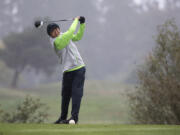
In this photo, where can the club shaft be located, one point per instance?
(63, 20)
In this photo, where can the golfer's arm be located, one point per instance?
(80, 33)
(62, 41)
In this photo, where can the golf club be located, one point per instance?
(40, 23)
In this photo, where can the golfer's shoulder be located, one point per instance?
(61, 41)
(58, 38)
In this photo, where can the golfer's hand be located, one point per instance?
(82, 19)
(78, 17)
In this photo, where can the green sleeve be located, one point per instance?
(63, 40)
(80, 33)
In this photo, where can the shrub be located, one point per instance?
(29, 111)
(157, 97)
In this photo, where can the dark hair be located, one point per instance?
(52, 27)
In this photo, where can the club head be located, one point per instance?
(38, 24)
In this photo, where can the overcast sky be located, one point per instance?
(161, 4)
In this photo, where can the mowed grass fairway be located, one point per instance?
(110, 129)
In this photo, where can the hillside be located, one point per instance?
(103, 102)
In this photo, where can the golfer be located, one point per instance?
(73, 67)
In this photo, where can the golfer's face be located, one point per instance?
(55, 33)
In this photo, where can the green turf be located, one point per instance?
(109, 129)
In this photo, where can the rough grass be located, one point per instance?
(103, 102)
(110, 129)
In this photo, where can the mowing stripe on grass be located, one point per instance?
(96, 130)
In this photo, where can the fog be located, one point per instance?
(118, 37)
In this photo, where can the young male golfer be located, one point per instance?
(73, 67)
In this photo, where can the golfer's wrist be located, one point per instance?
(76, 19)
